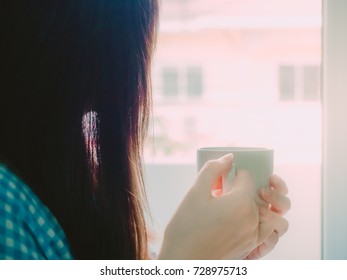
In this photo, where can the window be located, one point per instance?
(287, 82)
(239, 73)
(194, 82)
(170, 82)
(311, 82)
(299, 82)
(181, 83)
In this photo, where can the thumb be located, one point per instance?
(244, 180)
(211, 171)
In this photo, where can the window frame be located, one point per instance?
(334, 100)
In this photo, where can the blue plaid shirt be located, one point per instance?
(28, 230)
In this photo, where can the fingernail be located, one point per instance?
(229, 156)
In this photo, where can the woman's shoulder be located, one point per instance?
(28, 229)
(12, 194)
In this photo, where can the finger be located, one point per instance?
(211, 172)
(273, 220)
(279, 202)
(265, 247)
(265, 230)
(278, 184)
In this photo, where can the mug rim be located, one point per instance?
(234, 149)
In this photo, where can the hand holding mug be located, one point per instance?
(272, 191)
(205, 227)
(239, 224)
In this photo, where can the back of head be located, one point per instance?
(74, 87)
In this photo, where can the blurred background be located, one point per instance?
(239, 73)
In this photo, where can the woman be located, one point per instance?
(75, 102)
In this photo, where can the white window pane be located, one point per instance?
(170, 81)
(194, 82)
(253, 56)
(311, 82)
(287, 82)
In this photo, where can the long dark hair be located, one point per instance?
(74, 107)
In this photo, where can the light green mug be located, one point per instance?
(257, 161)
